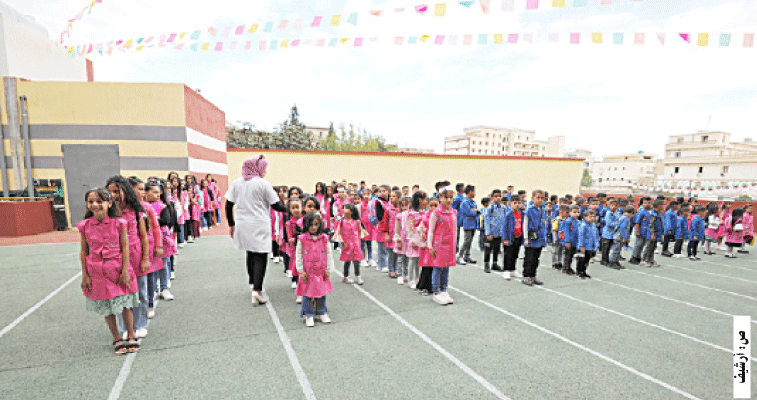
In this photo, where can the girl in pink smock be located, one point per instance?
(216, 194)
(734, 231)
(366, 244)
(207, 205)
(748, 228)
(292, 229)
(195, 209)
(441, 244)
(350, 229)
(185, 214)
(724, 214)
(712, 227)
(314, 264)
(425, 261)
(126, 200)
(155, 243)
(400, 239)
(108, 283)
(328, 212)
(412, 239)
(393, 210)
(320, 194)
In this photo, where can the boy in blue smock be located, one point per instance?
(643, 233)
(655, 225)
(469, 212)
(669, 226)
(621, 237)
(608, 231)
(682, 231)
(512, 237)
(588, 243)
(569, 238)
(696, 232)
(456, 205)
(535, 227)
(494, 222)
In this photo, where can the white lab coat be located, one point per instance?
(252, 215)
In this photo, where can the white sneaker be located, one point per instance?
(412, 285)
(347, 280)
(516, 274)
(298, 300)
(373, 263)
(173, 275)
(166, 295)
(289, 273)
(506, 275)
(181, 245)
(400, 280)
(140, 333)
(363, 264)
(168, 284)
(359, 280)
(324, 318)
(595, 259)
(677, 255)
(644, 264)
(439, 299)
(150, 314)
(447, 297)
(378, 268)
(461, 261)
(270, 256)
(309, 322)
(385, 269)
(294, 285)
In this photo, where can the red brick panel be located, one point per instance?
(203, 116)
(204, 153)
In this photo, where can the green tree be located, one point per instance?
(586, 180)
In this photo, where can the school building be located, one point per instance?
(81, 133)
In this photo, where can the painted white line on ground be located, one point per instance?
(666, 298)
(662, 328)
(38, 305)
(695, 285)
(582, 347)
(298, 371)
(480, 379)
(730, 266)
(709, 273)
(115, 391)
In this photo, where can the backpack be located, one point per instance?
(372, 211)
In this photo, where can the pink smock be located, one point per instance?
(443, 237)
(104, 261)
(349, 229)
(314, 263)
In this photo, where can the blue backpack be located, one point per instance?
(372, 210)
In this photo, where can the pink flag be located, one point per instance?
(213, 31)
(240, 30)
(467, 39)
(575, 37)
(110, 51)
(320, 42)
(528, 37)
(316, 21)
(298, 24)
(661, 37)
(219, 46)
(605, 2)
(398, 40)
(262, 45)
(532, 4)
(399, 9)
(638, 38)
(233, 45)
(749, 40)
(512, 38)
(554, 37)
(421, 8)
(148, 40)
(248, 45)
(358, 42)
(283, 24)
(226, 31)
(439, 39)
(295, 42)
(508, 5)
(686, 37)
(485, 5)
(162, 40)
(171, 38)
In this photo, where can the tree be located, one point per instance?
(586, 180)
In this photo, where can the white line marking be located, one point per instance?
(298, 371)
(480, 379)
(115, 392)
(584, 348)
(683, 335)
(666, 298)
(38, 305)
(730, 266)
(709, 273)
(695, 284)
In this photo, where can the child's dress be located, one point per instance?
(168, 243)
(293, 229)
(410, 239)
(135, 243)
(424, 257)
(734, 232)
(315, 263)
(365, 218)
(443, 238)
(104, 265)
(350, 232)
(724, 215)
(714, 227)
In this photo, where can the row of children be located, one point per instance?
(130, 236)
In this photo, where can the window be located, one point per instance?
(704, 138)
(676, 170)
(725, 169)
(624, 168)
(701, 169)
(680, 140)
(678, 154)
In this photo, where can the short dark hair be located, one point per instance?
(589, 212)
(629, 209)
(459, 187)
(469, 189)
(353, 210)
(658, 203)
(308, 221)
(515, 198)
(564, 207)
(685, 209)
(593, 199)
(522, 192)
(536, 191)
(554, 197)
(485, 201)
(601, 195)
(496, 191)
(612, 200)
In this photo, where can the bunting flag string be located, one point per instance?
(439, 10)
(697, 187)
(217, 41)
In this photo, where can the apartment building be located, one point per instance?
(497, 141)
(613, 173)
(709, 158)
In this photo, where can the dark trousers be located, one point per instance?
(531, 262)
(468, 241)
(424, 282)
(256, 264)
(678, 246)
(286, 261)
(648, 254)
(665, 240)
(606, 246)
(457, 241)
(275, 248)
(692, 249)
(355, 266)
(491, 248)
(511, 253)
(568, 254)
(584, 261)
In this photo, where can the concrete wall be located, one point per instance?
(304, 169)
(27, 51)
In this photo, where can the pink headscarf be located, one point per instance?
(254, 167)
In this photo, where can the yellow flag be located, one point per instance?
(558, 3)
(182, 35)
(498, 38)
(139, 48)
(253, 28)
(596, 37)
(71, 50)
(440, 9)
(128, 43)
(424, 38)
(344, 40)
(205, 46)
(703, 39)
(93, 3)
(284, 43)
(335, 20)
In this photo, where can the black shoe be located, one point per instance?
(742, 251)
(528, 281)
(634, 261)
(621, 258)
(667, 254)
(556, 266)
(496, 267)
(582, 275)
(615, 265)
(536, 281)
(469, 261)
(605, 263)
(568, 271)
(486, 268)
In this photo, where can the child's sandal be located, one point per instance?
(133, 347)
(120, 348)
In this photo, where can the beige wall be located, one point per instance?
(304, 169)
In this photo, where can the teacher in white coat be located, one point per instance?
(250, 222)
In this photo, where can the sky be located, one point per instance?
(607, 98)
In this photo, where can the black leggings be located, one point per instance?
(424, 283)
(256, 264)
(356, 267)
